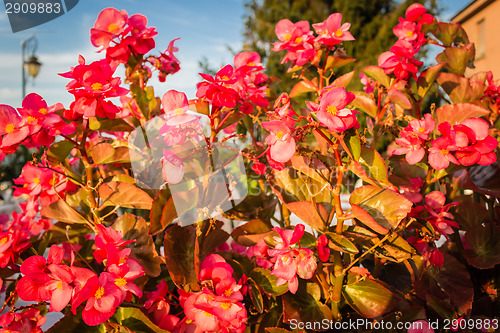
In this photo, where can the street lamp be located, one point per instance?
(31, 65)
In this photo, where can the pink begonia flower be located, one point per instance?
(367, 83)
(172, 167)
(415, 11)
(250, 59)
(175, 104)
(406, 30)
(411, 146)
(12, 127)
(291, 34)
(280, 140)
(439, 217)
(440, 153)
(103, 296)
(399, 60)
(108, 236)
(331, 31)
(323, 249)
(159, 306)
(290, 260)
(333, 112)
(259, 168)
(423, 127)
(473, 142)
(26, 321)
(412, 191)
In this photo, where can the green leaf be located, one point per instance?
(313, 214)
(353, 143)
(454, 280)
(456, 113)
(255, 295)
(378, 208)
(341, 243)
(337, 61)
(124, 194)
(162, 212)
(426, 78)
(135, 228)
(365, 103)
(377, 73)
(370, 298)
(450, 33)
(310, 166)
(303, 307)
(484, 243)
(267, 281)
(61, 211)
(344, 80)
(399, 98)
(112, 125)
(146, 100)
(251, 232)
(457, 58)
(135, 320)
(302, 87)
(461, 89)
(395, 249)
(105, 153)
(58, 151)
(181, 255)
(370, 167)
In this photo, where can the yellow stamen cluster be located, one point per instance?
(179, 111)
(339, 33)
(99, 293)
(112, 27)
(36, 180)
(4, 240)
(43, 111)
(280, 134)
(298, 40)
(288, 37)
(225, 305)
(120, 282)
(444, 151)
(10, 128)
(332, 109)
(96, 86)
(30, 119)
(409, 34)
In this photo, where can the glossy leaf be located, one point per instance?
(370, 298)
(303, 307)
(370, 167)
(378, 208)
(338, 61)
(123, 194)
(105, 153)
(162, 212)
(255, 296)
(302, 87)
(114, 125)
(134, 319)
(135, 228)
(399, 98)
(313, 214)
(461, 89)
(456, 113)
(344, 80)
(180, 248)
(457, 58)
(353, 143)
(450, 32)
(61, 211)
(378, 74)
(426, 78)
(365, 103)
(341, 243)
(267, 281)
(58, 151)
(484, 243)
(251, 232)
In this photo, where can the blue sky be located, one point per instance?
(206, 28)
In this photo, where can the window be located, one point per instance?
(481, 39)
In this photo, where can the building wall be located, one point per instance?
(481, 21)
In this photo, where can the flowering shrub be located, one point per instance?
(151, 237)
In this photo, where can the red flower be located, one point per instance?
(103, 296)
(280, 140)
(331, 32)
(109, 24)
(333, 112)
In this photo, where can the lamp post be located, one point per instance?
(31, 65)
